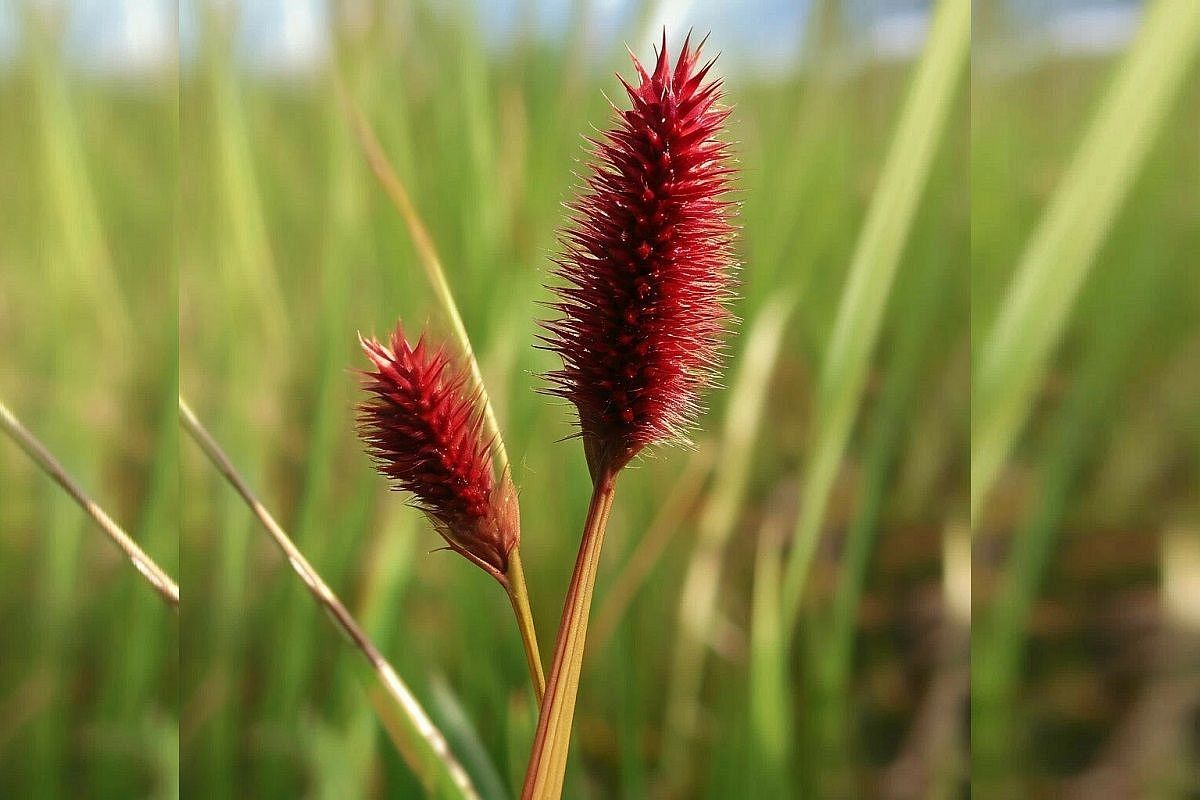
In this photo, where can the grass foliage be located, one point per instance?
(951, 274)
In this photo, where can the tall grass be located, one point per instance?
(872, 272)
(423, 746)
(485, 148)
(1029, 308)
(1061, 251)
(88, 182)
(1087, 318)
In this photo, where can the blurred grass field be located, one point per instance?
(89, 676)
(285, 247)
(1083, 633)
(291, 247)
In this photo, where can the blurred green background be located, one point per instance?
(783, 611)
(1084, 631)
(89, 676)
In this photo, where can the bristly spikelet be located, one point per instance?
(425, 432)
(648, 266)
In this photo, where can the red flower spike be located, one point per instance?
(425, 433)
(648, 263)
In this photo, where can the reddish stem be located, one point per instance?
(548, 761)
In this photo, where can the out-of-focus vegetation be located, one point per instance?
(1085, 303)
(252, 190)
(88, 343)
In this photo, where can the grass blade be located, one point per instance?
(159, 580)
(245, 244)
(860, 314)
(422, 744)
(1001, 634)
(377, 160)
(890, 421)
(463, 734)
(398, 194)
(1060, 254)
(72, 210)
(771, 731)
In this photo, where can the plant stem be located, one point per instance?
(548, 760)
(423, 242)
(158, 578)
(519, 595)
(399, 196)
(414, 734)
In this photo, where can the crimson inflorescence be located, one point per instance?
(647, 262)
(424, 428)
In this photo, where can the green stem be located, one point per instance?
(519, 595)
(548, 761)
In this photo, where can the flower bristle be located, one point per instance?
(424, 429)
(647, 264)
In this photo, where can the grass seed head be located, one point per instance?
(424, 429)
(647, 266)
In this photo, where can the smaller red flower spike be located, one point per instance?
(647, 264)
(424, 430)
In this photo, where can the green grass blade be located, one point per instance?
(420, 742)
(1060, 254)
(1123, 318)
(295, 637)
(245, 241)
(770, 706)
(387, 563)
(463, 736)
(926, 301)
(864, 299)
(71, 213)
